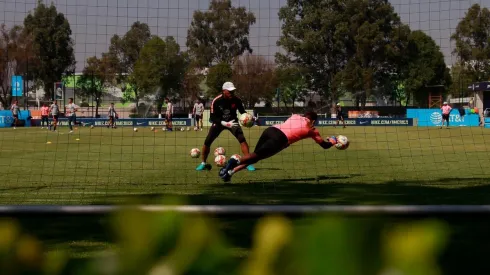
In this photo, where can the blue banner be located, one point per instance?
(17, 85)
(133, 122)
(433, 117)
(269, 121)
(6, 118)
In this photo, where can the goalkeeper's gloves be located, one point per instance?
(229, 124)
(332, 140)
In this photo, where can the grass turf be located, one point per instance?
(383, 165)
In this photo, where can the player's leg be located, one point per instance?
(271, 142)
(213, 133)
(55, 122)
(16, 118)
(238, 133)
(70, 121)
(343, 121)
(447, 120)
(170, 122)
(200, 122)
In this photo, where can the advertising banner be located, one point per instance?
(433, 117)
(269, 121)
(6, 118)
(133, 122)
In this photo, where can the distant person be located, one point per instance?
(169, 114)
(54, 109)
(72, 108)
(15, 112)
(44, 115)
(446, 110)
(198, 112)
(112, 114)
(340, 115)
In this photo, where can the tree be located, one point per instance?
(472, 39)
(16, 49)
(191, 84)
(377, 40)
(96, 78)
(220, 34)
(461, 79)
(124, 52)
(314, 35)
(53, 46)
(254, 78)
(217, 75)
(292, 84)
(160, 69)
(423, 66)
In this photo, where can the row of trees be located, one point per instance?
(331, 47)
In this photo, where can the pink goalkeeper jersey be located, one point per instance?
(446, 109)
(296, 128)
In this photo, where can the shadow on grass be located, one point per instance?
(311, 191)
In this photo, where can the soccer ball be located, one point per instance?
(135, 129)
(91, 126)
(246, 120)
(195, 153)
(164, 129)
(219, 151)
(152, 128)
(342, 142)
(220, 160)
(236, 156)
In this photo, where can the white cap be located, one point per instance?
(228, 86)
(445, 103)
(338, 104)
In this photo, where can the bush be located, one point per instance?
(171, 243)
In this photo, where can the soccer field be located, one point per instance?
(383, 165)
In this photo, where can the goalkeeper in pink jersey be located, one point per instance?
(277, 138)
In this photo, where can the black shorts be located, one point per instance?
(15, 116)
(168, 118)
(271, 142)
(445, 117)
(216, 130)
(198, 117)
(55, 117)
(340, 116)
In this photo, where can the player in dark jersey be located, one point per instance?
(224, 117)
(340, 115)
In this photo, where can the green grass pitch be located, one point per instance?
(383, 165)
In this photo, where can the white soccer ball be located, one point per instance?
(236, 156)
(164, 129)
(342, 142)
(220, 160)
(195, 153)
(152, 128)
(135, 129)
(246, 120)
(219, 151)
(91, 126)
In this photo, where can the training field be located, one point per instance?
(383, 165)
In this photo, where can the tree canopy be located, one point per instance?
(52, 44)
(472, 39)
(219, 34)
(160, 68)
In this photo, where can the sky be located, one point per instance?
(94, 22)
